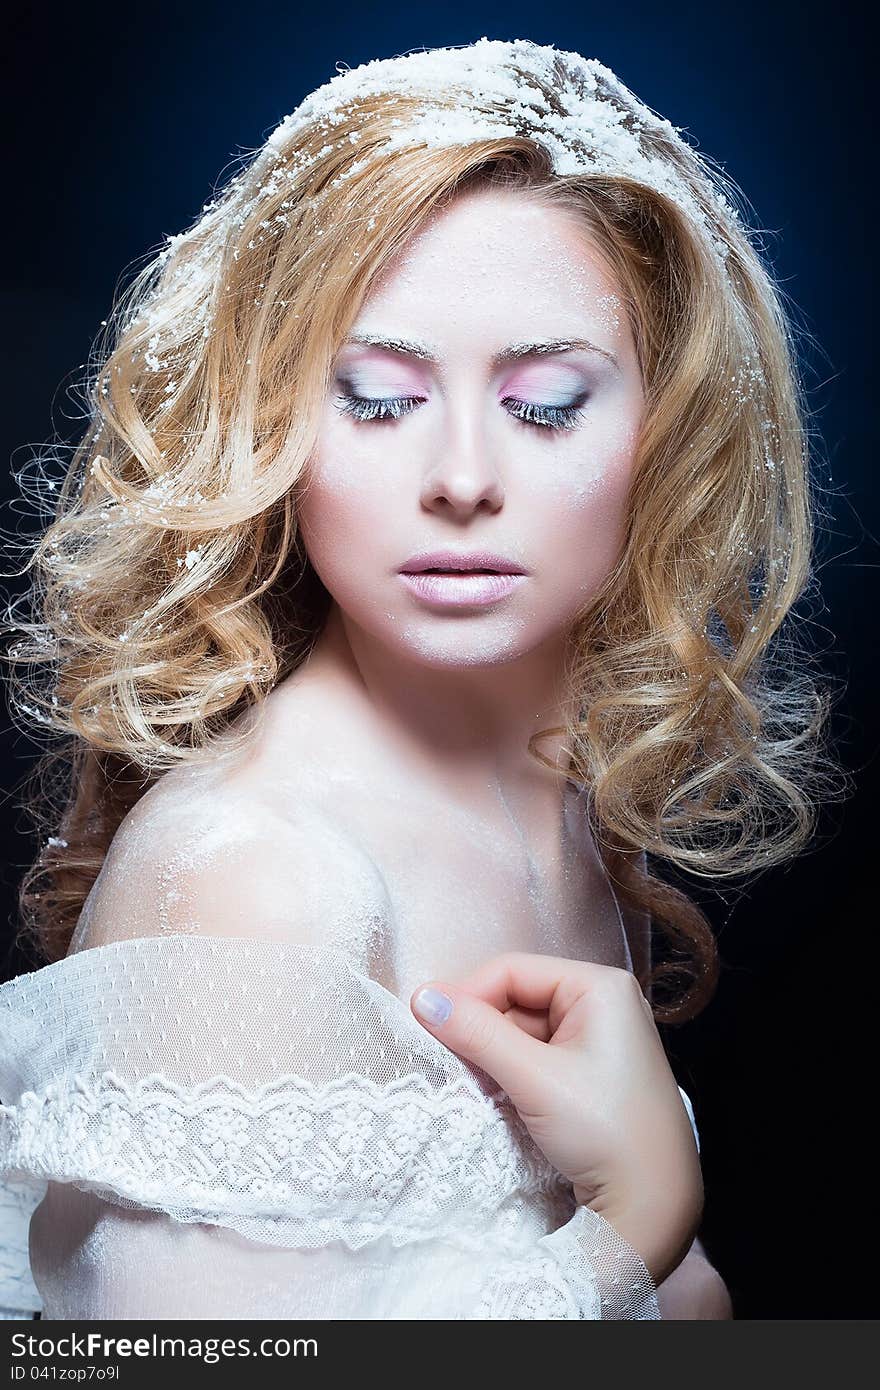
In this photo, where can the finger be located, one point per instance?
(531, 981)
(532, 1021)
(477, 1031)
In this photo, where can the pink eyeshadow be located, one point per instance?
(546, 379)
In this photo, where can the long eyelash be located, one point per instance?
(382, 408)
(543, 417)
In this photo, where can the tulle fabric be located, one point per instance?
(264, 1111)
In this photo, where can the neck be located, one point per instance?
(463, 729)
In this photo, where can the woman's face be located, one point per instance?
(460, 435)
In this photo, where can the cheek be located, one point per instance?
(343, 509)
(589, 467)
(584, 508)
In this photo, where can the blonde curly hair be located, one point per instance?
(170, 590)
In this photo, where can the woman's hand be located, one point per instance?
(575, 1046)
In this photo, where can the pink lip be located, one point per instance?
(462, 589)
(451, 560)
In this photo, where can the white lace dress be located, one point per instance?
(262, 1111)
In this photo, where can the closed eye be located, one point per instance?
(378, 408)
(383, 408)
(552, 417)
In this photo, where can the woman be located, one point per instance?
(444, 491)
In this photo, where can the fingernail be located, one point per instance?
(434, 1006)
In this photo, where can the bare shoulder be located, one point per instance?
(208, 852)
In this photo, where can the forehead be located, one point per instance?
(504, 249)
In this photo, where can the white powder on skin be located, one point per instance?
(493, 270)
(315, 837)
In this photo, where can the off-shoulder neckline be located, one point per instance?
(206, 944)
(202, 940)
(260, 945)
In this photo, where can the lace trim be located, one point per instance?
(409, 1144)
(402, 1158)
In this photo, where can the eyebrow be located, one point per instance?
(405, 346)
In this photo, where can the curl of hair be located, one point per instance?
(170, 591)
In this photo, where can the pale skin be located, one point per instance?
(442, 703)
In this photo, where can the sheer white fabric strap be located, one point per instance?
(583, 1270)
(19, 1297)
(690, 1110)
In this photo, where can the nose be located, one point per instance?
(462, 475)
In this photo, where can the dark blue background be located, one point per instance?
(119, 122)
